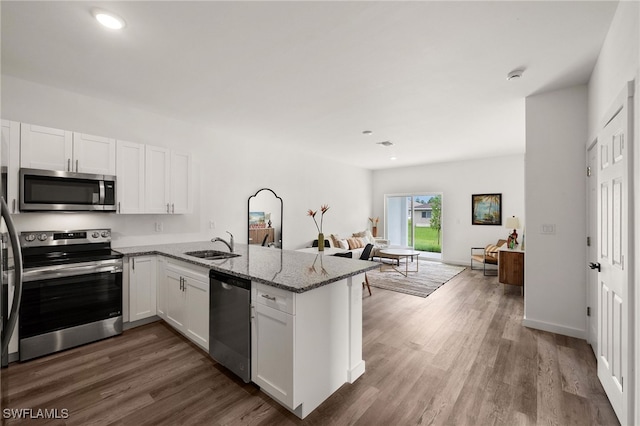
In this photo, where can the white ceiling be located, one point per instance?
(428, 76)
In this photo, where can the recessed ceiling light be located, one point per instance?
(385, 143)
(367, 132)
(515, 74)
(393, 158)
(109, 20)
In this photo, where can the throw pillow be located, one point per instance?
(335, 240)
(366, 236)
(343, 244)
(355, 243)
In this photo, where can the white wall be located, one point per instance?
(227, 171)
(619, 62)
(457, 181)
(555, 271)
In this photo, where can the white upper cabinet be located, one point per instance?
(157, 180)
(93, 154)
(181, 182)
(54, 149)
(45, 148)
(11, 162)
(130, 186)
(167, 181)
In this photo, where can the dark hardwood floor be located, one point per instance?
(458, 357)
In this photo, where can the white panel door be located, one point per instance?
(142, 287)
(11, 162)
(130, 158)
(175, 298)
(157, 180)
(272, 357)
(45, 148)
(197, 310)
(181, 182)
(614, 318)
(94, 154)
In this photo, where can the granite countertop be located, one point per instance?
(290, 270)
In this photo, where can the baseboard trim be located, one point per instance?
(355, 372)
(555, 328)
(138, 323)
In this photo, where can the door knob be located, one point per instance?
(594, 265)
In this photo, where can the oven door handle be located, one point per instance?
(47, 273)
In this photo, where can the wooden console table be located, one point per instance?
(511, 266)
(256, 235)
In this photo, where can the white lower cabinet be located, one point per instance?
(272, 352)
(185, 300)
(142, 287)
(304, 346)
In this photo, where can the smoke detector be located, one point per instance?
(385, 143)
(515, 74)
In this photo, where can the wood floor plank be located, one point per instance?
(458, 357)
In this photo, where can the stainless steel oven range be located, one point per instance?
(72, 292)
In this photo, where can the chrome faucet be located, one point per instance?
(229, 244)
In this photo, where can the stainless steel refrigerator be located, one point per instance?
(10, 266)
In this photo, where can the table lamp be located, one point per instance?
(512, 222)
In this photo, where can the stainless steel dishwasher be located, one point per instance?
(229, 323)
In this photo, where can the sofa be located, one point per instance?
(355, 243)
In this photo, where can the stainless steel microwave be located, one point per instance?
(48, 190)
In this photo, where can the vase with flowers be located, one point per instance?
(374, 226)
(323, 210)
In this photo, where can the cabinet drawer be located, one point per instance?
(188, 270)
(276, 298)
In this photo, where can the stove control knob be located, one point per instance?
(30, 237)
(96, 234)
(43, 237)
(105, 234)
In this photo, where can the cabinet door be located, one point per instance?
(157, 180)
(175, 295)
(130, 177)
(10, 163)
(142, 287)
(161, 290)
(272, 352)
(45, 148)
(180, 182)
(197, 310)
(94, 154)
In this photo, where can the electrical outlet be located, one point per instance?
(212, 224)
(158, 226)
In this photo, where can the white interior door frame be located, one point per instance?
(592, 244)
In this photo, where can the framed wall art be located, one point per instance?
(486, 209)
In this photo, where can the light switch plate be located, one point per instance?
(548, 228)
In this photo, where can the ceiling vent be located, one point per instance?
(385, 143)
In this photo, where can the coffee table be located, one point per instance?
(406, 254)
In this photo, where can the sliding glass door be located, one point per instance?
(414, 220)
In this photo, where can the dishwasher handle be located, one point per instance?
(229, 281)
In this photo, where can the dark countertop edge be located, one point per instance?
(247, 277)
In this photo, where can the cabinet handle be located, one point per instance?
(118, 206)
(76, 165)
(180, 283)
(13, 205)
(272, 298)
(167, 207)
(68, 164)
(133, 263)
(173, 208)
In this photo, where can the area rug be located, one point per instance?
(431, 275)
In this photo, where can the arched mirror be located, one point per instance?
(265, 218)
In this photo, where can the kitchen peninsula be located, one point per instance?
(306, 311)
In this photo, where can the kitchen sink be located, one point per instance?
(211, 254)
